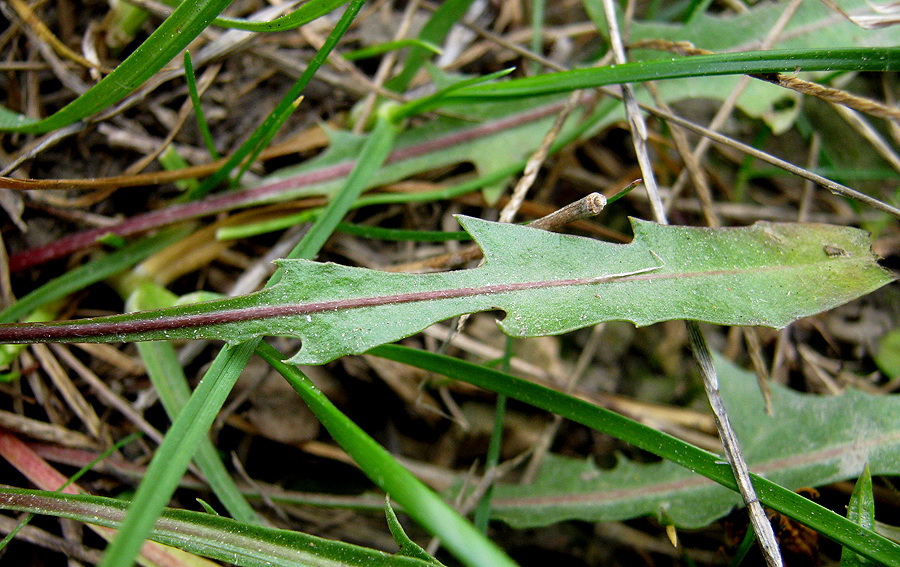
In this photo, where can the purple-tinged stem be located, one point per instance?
(280, 190)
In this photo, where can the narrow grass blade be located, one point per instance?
(169, 381)
(198, 109)
(172, 35)
(423, 505)
(389, 46)
(309, 11)
(750, 62)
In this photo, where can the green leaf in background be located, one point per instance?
(547, 283)
(810, 440)
(234, 542)
(888, 355)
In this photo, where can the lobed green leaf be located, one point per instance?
(766, 274)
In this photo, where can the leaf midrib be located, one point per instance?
(100, 327)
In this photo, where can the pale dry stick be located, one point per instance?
(832, 186)
(111, 355)
(889, 86)
(69, 79)
(36, 536)
(67, 389)
(730, 103)
(106, 394)
(698, 176)
(701, 188)
(40, 392)
(45, 142)
(34, 22)
(551, 429)
(633, 112)
(47, 432)
(385, 67)
(537, 159)
(764, 531)
(754, 350)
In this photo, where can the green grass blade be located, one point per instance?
(399, 234)
(163, 45)
(388, 46)
(423, 505)
(176, 451)
(862, 541)
(538, 8)
(198, 109)
(261, 137)
(169, 381)
(861, 511)
(309, 11)
(751, 62)
(433, 32)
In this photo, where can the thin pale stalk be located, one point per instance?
(733, 452)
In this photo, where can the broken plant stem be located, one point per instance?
(730, 443)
